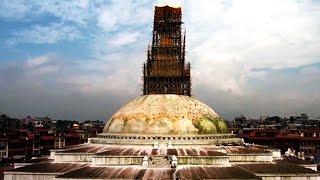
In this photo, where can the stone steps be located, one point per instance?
(160, 162)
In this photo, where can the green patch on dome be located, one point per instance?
(205, 126)
(222, 126)
(208, 125)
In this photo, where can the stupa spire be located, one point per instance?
(165, 71)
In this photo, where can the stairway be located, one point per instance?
(159, 162)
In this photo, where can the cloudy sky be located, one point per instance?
(81, 59)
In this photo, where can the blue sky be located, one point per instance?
(81, 59)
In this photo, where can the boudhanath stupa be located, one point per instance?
(166, 133)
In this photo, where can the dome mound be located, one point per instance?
(165, 114)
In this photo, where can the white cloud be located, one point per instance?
(113, 83)
(13, 9)
(107, 20)
(122, 38)
(76, 11)
(172, 3)
(72, 17)
(49, 34)
(41, 66)
(37, 61)
(239, 50)
(45, 70)
(123, 14)
(232, 38)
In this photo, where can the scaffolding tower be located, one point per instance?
(165, 71)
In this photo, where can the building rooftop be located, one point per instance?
(279, 168)
(195, 172)
(245, 150)
(48, 167)
(295, 160)
(215, 173)
(85, 148)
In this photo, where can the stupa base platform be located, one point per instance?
(147, 156)
(107, 161)
(166, 140)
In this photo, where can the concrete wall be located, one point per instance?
(73, 157)
(242, 158)
(117, 160)
(75, 179)
(28, 176)
(203, 160)
(276, 153)
(289, 177)
(52, 154)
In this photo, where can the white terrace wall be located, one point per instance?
(288, 177)
(243, 158)
(117, 160)
(29, 176)
(73, 157)
(203, 160)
